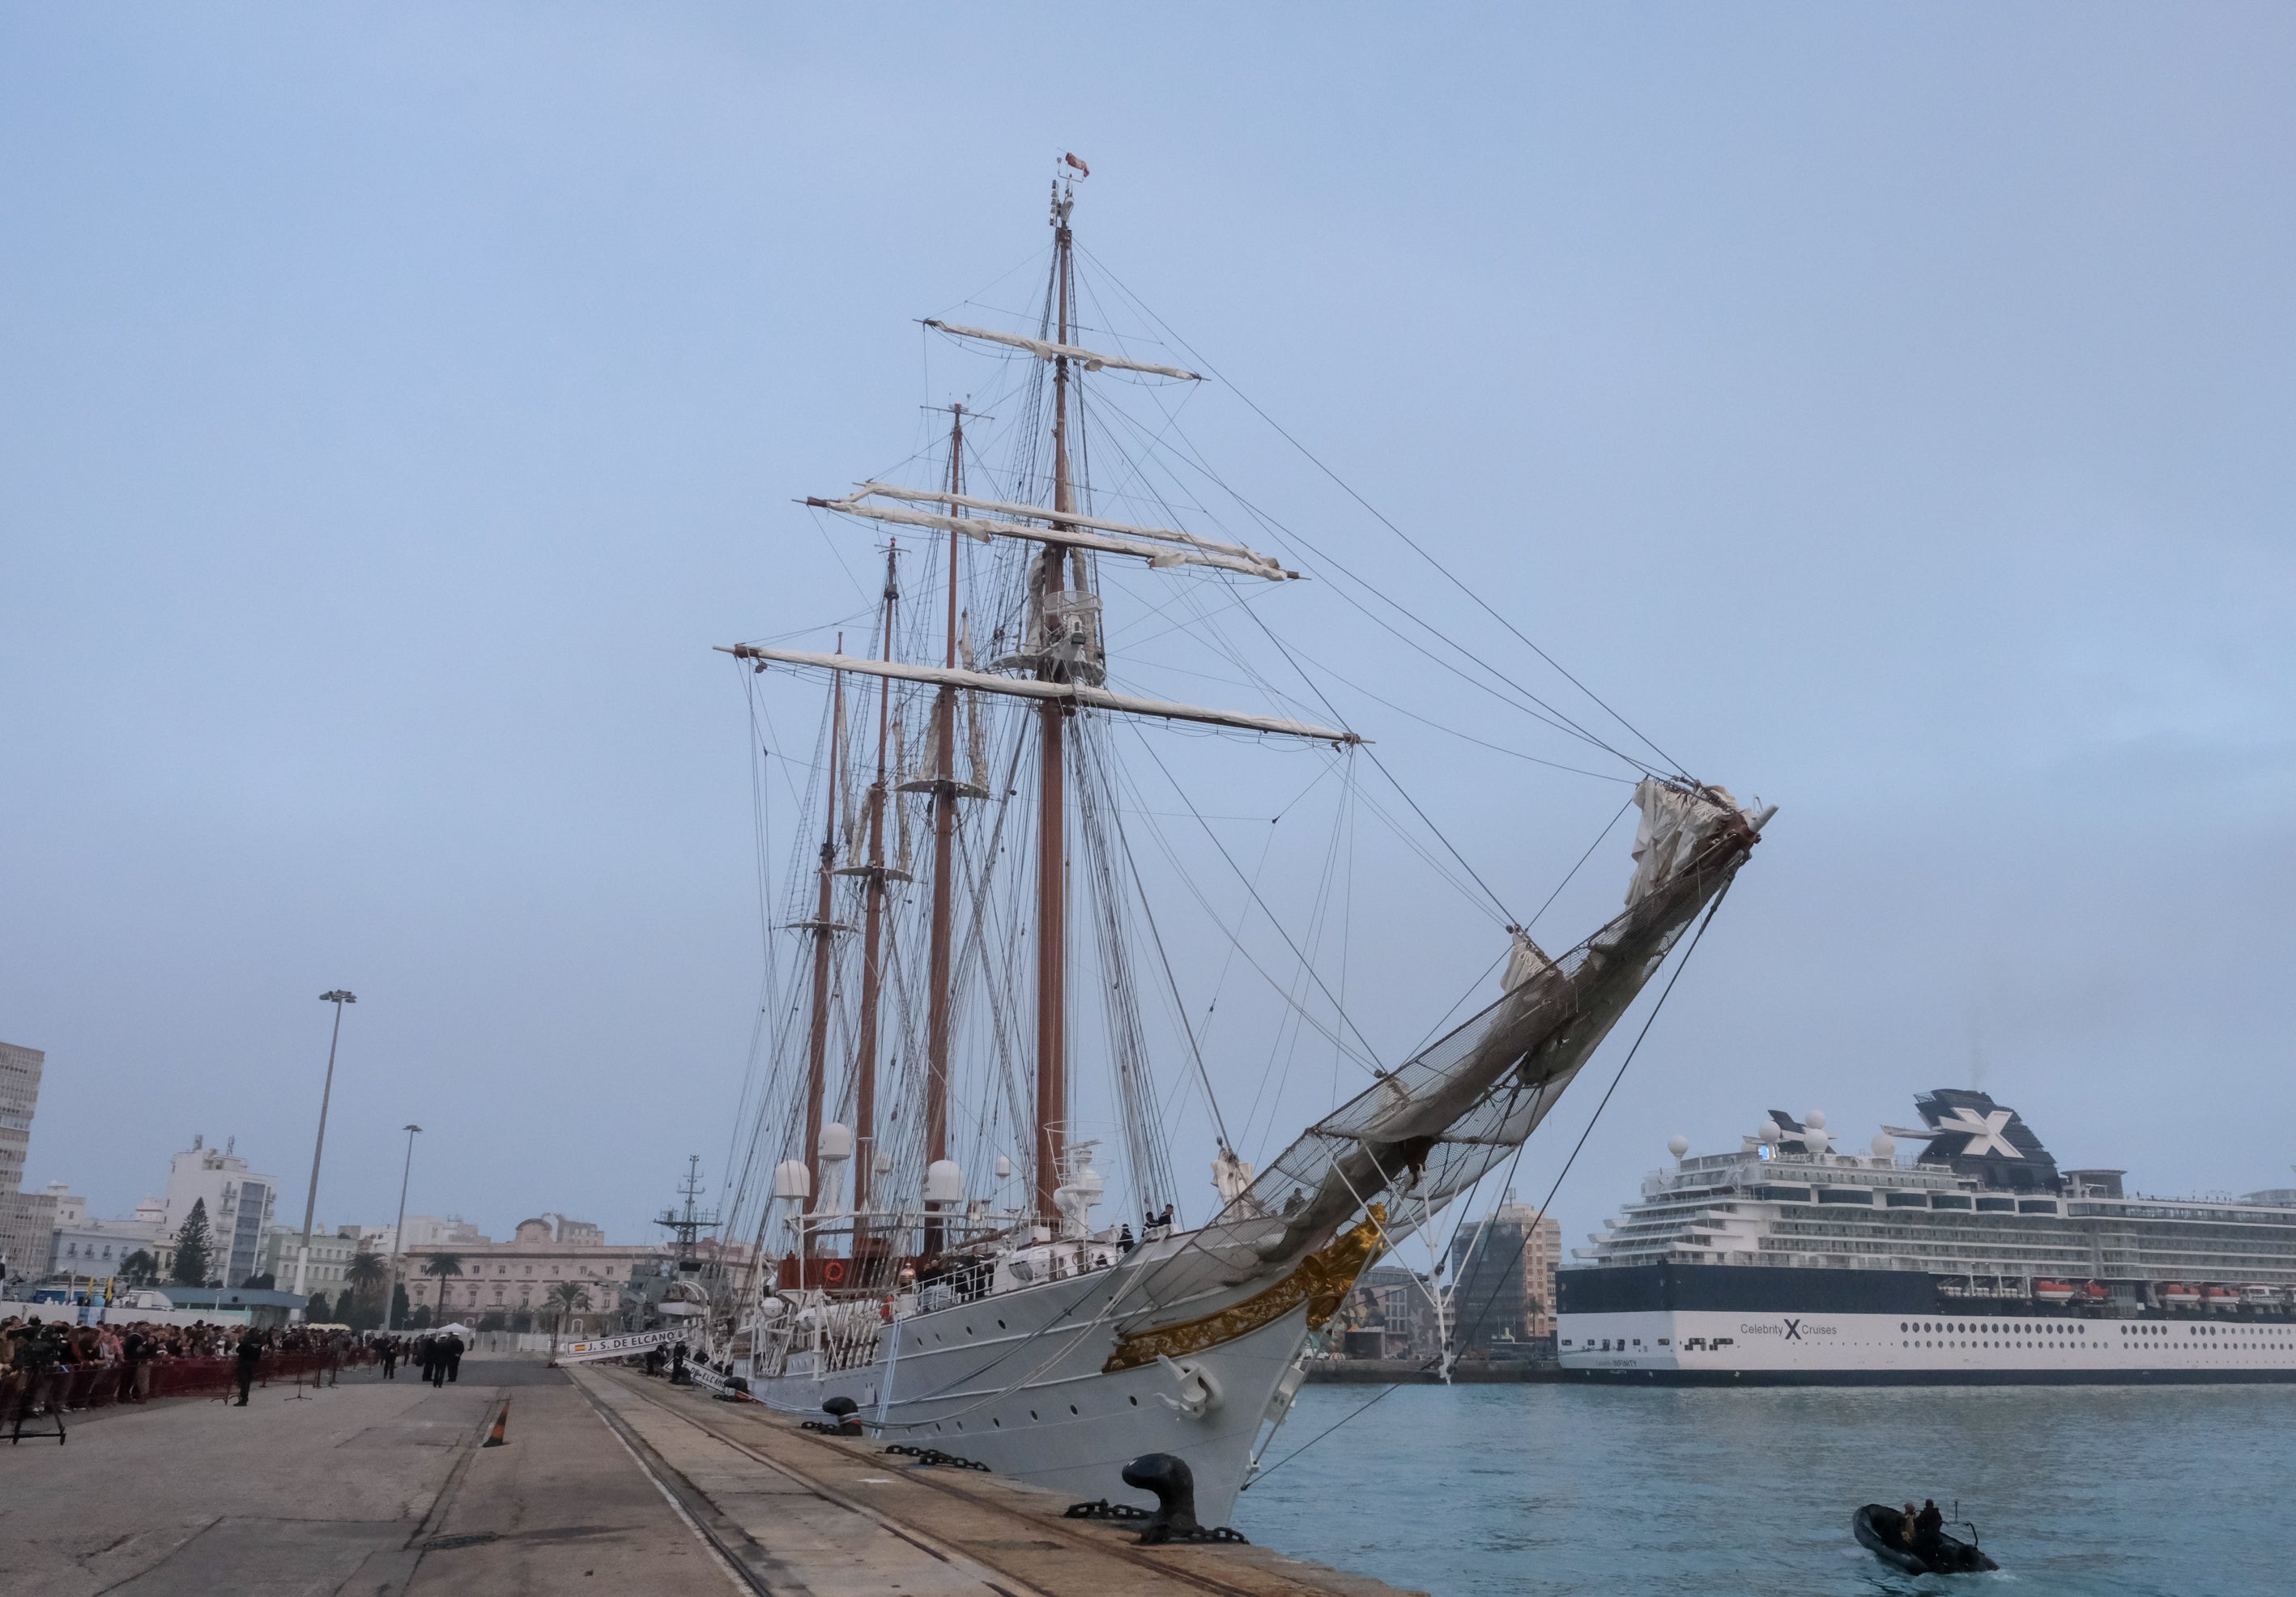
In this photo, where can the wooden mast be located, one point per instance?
(873, 937)
(816, 1074)
(944, 812)
(1051, 805)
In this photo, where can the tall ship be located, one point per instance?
(967, 951)
(1976, 1260)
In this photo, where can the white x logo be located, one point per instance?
(1984, 1133)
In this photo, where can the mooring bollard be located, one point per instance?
(1174, 1484)
(502, 1423)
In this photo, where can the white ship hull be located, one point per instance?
(1725, 1347)
(1017, 1382)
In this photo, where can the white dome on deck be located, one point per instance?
(944, 1182)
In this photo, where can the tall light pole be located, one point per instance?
(398, 1232)
(339, 997)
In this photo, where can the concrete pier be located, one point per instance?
(609, 1483)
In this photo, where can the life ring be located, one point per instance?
(833, 1271)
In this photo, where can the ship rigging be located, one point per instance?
(955, 1280)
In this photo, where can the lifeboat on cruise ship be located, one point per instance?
(2093, 1292)
(2224, 1297)
(2261, 1297)
(2053, 1292)
(2176, 1294)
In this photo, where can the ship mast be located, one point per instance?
(943, 813)
(872, 937)
(1052, 807)
(823, 928)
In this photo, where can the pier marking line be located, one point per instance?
(739, 1577)
(1000, 1581)
(924, 1477)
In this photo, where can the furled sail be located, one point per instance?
(1065, 518)
(1425, 1133)
(1073, 534)
(1023, 687)
(1092, 360)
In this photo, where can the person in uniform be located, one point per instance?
(251, 1355)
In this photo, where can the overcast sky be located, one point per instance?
(1888, 408)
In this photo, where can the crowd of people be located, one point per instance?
(60, 1363)
(437, 1358)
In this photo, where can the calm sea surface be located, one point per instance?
(1474, 1491)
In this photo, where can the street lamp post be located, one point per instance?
(339, 997)
(398, 1232)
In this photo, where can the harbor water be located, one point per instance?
(1551, 1489)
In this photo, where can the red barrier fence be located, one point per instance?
(96, 1385)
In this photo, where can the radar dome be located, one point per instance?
(1817, 1120)
(1678, 1145)
(1885, 1146)
(1816, 1142)
(1004, 1168)
(1768, 1131)
(944, 1182)
(836, 1141)
(791, 1179)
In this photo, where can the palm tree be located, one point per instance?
(567, 1297)
(441, 1266)
(366, 1272)
(366, 1275)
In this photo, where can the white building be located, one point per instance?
(331, 1256)
(239, 1205)
(435, 1230)
(86, 1247)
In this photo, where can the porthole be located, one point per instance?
(1072, 1408)
(999, 1424)
(1000, 1325)
(1134, 1402)
(1032, 1413)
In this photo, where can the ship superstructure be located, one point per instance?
(1978, 1259)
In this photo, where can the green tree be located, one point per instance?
(139, 1269)
(398, 1315)
(494, 1319)
(264, 1282)
(420, 1320)
(194, 1248)
(318, 1311)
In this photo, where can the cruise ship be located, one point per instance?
(1975, 1261)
